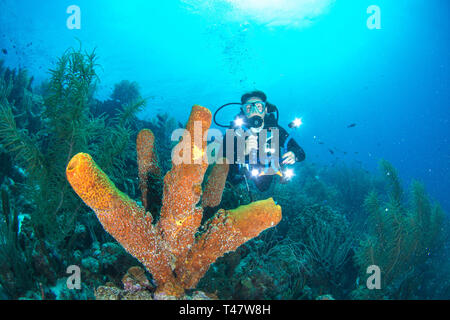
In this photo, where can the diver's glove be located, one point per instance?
(288, 158)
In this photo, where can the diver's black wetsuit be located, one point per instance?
(263, 182)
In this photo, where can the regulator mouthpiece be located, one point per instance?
(255, 122)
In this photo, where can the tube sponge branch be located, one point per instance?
(147, 161)
(121, 216)
(226, 232)
(169, 249)
(212, 195)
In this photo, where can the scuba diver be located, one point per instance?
(258, 124)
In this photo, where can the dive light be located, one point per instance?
(239, 122)
(296, 123)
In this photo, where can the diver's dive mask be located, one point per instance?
(254, 112)
(250, 108)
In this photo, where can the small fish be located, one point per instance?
(331, 151)
(321, 142)
(351, 125)
(4, 51)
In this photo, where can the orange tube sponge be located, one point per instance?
(226, 232)
(122, 217)
(180, 218)
(169, 249)
(147, 161)
(212, 195)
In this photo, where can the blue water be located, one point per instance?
(314, 59)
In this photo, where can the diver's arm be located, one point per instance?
(292, 145)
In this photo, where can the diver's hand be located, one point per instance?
(251, 143)
(288, 158)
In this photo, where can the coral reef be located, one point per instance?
(169, 249)
(136, 286)
(325, 241)
(14, 261)
(401, 238)
(338, 218)
(40, 130)
(314, 251)
(44, 153)
(126, 92)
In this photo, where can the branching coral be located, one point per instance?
(170, 249)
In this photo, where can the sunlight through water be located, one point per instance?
(272, 13)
